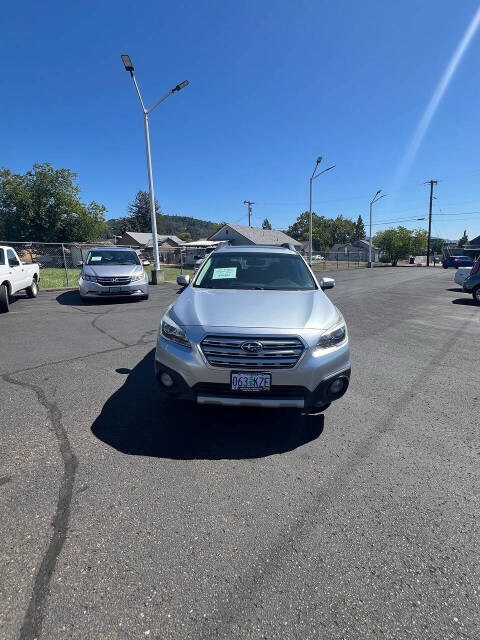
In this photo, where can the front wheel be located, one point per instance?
(476, 294)
(32, 290)
(4, 299)
(445, 266)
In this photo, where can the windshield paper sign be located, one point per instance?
(224, 272)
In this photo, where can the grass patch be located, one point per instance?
(171, 273)
(55, 278)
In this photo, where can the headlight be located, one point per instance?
(138, 276)
(333, 336)
(90, 278)
(171, 331)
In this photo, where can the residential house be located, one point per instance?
(236, 234)
(357, 250)
(472, 248)
(142, 240)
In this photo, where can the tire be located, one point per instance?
(4, 299)
(85, 300)
(32, 290)
(445, 266)
(476, 294)
(145, 297)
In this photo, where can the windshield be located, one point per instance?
(108, 257)
(248, 270)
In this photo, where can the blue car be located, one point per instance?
(457, 261)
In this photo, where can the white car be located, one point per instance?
(461, 274)
(16, 276)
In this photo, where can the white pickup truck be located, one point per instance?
(15, 276)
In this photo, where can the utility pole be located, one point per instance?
(249, 204)
(431, 183)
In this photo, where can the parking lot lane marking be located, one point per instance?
(32, 622)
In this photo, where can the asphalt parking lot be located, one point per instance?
(122, 517)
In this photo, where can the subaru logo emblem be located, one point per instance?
(252, 347)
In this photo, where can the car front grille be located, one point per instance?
(276, 353)
(114, 282)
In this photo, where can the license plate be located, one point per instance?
(115, 289)
(250, 381)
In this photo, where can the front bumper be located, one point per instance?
(89, 289)
(305, 385)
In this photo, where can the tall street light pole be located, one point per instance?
(431, 183)
(375, 198)
(157, 273)
(313, 177)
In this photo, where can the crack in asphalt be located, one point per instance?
(93, 324)
(32, 621)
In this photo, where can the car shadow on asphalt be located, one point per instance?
(139, 420)
(469, 302)
(455, 289)
(73, 299)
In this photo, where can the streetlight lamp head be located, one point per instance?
(180, 86)
(379, 191)
(127, 62)
(319, 159)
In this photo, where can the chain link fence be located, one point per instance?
(60, 263)
(335, 261)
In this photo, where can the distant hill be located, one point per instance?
(173, 225)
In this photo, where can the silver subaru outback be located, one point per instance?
(254, 328)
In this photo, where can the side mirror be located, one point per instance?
(14, 262)
(183, 281)
(80, 264)
(327, 283)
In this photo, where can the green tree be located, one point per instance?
(266, 224)
(44, 205)
(139, 213)
(325, 231)
(419, 242)
(400, 243)
(185, 236)
(89, 225)
(437, 245)
(463, 240)
(359, 231)
(342, 230)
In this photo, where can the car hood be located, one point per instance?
(110, 271)
(255, 309)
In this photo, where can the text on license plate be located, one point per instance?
(246, 381)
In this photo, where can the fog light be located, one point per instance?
(336, 387)
(166, 379)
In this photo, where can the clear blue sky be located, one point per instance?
(273, 84)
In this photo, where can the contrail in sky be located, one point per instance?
(435, 100)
